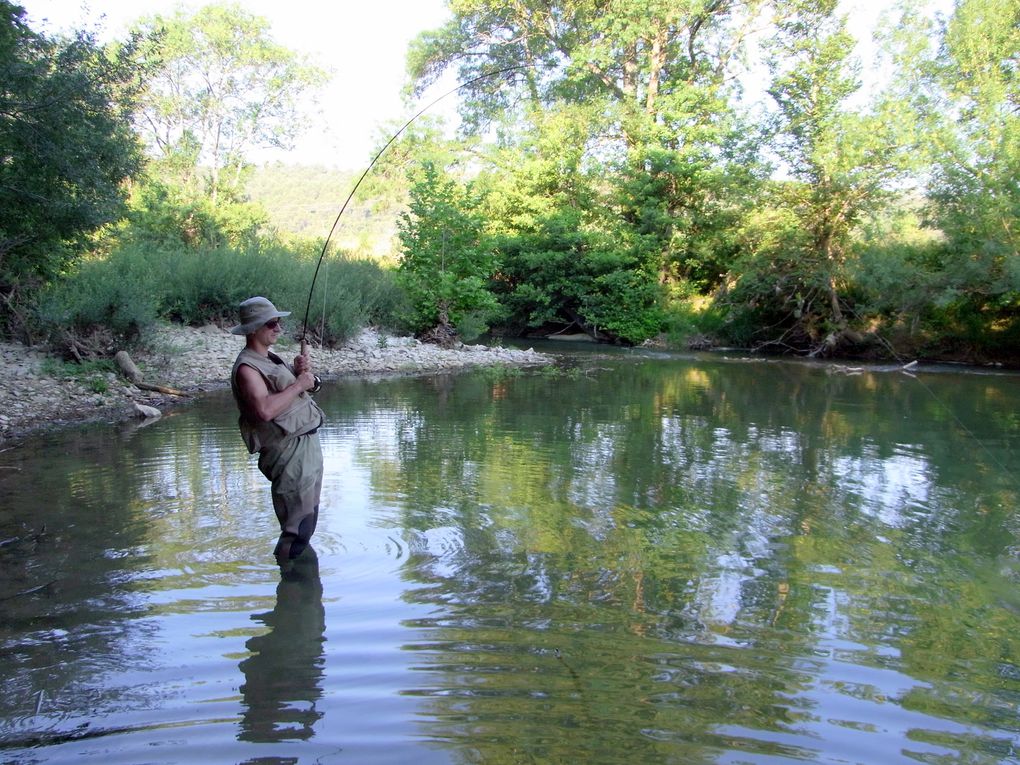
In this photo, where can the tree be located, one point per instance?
(66, 146)
(220, 87)
(953, 283)
(649, 78)
(839, 165)
(974, 189)
(641, 90)
(563, 259)
(446, 265)
(659, 63)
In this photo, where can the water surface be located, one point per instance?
(639, 559)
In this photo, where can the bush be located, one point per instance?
(123, 293)
(625, 304)
(118, 298)
(692, 321)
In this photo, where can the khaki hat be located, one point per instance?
(255, 312)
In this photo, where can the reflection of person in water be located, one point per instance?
(283, 676)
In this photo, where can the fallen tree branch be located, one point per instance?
(159, 388)
(132, 373)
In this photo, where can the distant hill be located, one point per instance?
(304, 200)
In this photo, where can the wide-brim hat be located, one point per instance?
(255, 312)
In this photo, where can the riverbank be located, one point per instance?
(38, 391)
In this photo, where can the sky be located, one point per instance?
(362, 43)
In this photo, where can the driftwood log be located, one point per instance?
(132, 373)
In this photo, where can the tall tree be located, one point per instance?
(657, 65)
(977, 154)
(221, 87)
(445, 266)
(839, 163)
(644, 86)
(66, 145)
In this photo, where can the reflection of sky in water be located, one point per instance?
(594, 484)
(719, 596)
(481, 593)
(888, 486)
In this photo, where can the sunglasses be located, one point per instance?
(273, 324)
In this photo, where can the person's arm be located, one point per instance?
(263, 404)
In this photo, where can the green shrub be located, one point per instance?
(624, 303)
(137, 284)
(119, 297)
(693, 319)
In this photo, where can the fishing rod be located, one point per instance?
(325, 246)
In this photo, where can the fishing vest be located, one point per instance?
(303, 416)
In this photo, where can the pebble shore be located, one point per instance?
(36, 392)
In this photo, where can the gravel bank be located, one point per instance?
(34, 394)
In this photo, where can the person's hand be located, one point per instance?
(302, 364)
(306, 380)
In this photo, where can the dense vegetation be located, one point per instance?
(636, 192)
(616, 177)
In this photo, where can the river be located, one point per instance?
(629, 558)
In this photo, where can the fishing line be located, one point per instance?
(325, 246)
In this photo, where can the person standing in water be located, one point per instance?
(279, 420)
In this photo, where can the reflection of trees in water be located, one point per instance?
(635, 557)
(562, 658)
(88, 513)
(283, 675)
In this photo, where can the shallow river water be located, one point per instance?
(633, 559)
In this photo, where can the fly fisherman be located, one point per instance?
(279, 420)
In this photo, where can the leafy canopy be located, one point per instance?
(66, 146)
(220, 87)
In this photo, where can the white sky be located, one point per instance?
(363, 43)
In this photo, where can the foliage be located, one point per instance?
(115, 296)
(974, 191)
(609, 178)
(170, 215)
(618, 150)
(90, 372)
(65, 148)
(446, 264)
(564, 257)
(220, 86)
(793, 276)
(303, 200)
(650, 66)
(680, 211)
(692, 321)
(138, 284)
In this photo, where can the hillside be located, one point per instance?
(304, 200)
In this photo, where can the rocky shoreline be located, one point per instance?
(38, 392)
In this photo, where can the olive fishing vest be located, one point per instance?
(303, 416)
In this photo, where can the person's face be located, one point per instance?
(270, 331)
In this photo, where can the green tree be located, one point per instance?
(840, 163)
(66, 146)
(628, 103)
(220, 87)
(660, 64)
(560, 264)
(445, 266)
(950, 283)
(974, 189)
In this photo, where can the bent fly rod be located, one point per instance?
(325, 246)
